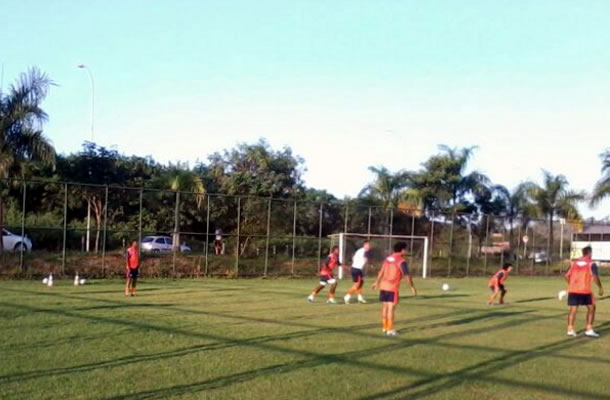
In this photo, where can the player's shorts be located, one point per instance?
(577, 299)
(326, 279)
(501, 287)
(386, 296)
(357, 275)
(133, 272)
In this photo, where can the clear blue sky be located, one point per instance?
(346, 84)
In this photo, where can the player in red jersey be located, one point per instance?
(327, 277)
(132, 268)
(496, 284)
(388, 281)
(579, 277)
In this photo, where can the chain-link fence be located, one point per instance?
(66, 228)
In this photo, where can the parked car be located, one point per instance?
(14, 242)
(539, 257)
(158, 244)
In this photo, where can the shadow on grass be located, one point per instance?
(533, 300)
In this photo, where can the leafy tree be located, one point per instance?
(21, 124)
(554, 198)
(602, 187)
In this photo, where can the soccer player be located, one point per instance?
(360, 259)
(579, 277)
(326, 276)
(388, 281)
(132, 268)
(496, 284)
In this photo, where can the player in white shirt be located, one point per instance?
(359, 261)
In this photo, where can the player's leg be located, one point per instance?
(571, 319)
(134, 280)
(352, 290)
(590, 320)
(492, 296)
(391, 312)
(318, 289)
(384, 317)
(359, 290)
(502, 294)
(127, 283)
(331, 293)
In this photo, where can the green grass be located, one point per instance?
(260, 339)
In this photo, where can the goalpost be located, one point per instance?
(381, 246)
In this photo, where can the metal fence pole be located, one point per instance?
(549, 254)
(486, 245)
(105, 230)
(63, 252)
(518, 249)
(450, 253)
(412, 232)
(533, 249)
(469, 252)
(267, 238)
(176, 233)
(207, 235)
(22, 228)
(390, 229)
(431, 246)
(294, 233)
(238, 231)
(321, 212)
(141, 201)
(368, 229)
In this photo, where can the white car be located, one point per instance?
(14, 242)
(158, 244)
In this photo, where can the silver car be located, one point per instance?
(14, 242)
(159, 244)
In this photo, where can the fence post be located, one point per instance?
(549, 254)
(207, 235)
(105, 230)
(518, 248)
(533, 249)
(346, 216)
(176, 246)
(321, 212)
(486, 245)
(238, 231)
(267, 238)
(412, 232)
(22, 227)
(390, 229)
(368, 229)
(63, 252)
(450, 253)
(294, 233)
(431, 245)
(469, 252)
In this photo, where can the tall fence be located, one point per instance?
(86, 228)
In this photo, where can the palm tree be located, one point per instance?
(602, 187)
(387, 187)
(553, 198)
(180, 179)
(516, 206)
(21, 123)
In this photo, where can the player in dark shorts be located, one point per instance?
(582, 272)
(132, 268)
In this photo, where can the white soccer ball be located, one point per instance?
(83, 281)
(445, 287)
(562, 294)
(45, 281)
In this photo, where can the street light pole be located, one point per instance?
(92, 82)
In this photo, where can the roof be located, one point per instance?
(597, 229)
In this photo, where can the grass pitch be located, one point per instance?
(260, 339)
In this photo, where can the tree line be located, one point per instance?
(443, 185)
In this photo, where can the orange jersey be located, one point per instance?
(332, 261)
(392, 271)
(580, 275)
(499, 277)
(133, 258)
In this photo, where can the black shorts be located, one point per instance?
(357, 276)
(501, 287)
(327, 279)
(386, 296)
(133, 273)
(576, 299)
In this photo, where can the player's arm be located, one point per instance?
(405, 270)
(379, 277)
(598, 281)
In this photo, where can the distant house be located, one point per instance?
(596, 236)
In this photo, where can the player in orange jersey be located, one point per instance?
(582, 272)
(327, 277)
(496, 284)
(132, 268)
(388, 281)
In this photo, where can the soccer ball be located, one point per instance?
(83, 281)
(561, 294)
(445, 287)
(45, 281)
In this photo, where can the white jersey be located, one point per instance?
(359, 260)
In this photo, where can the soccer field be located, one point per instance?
(260, 339)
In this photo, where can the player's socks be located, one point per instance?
(346, 298)
(361, 299)
(384, 325)
(311, 298)
(126, 291)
